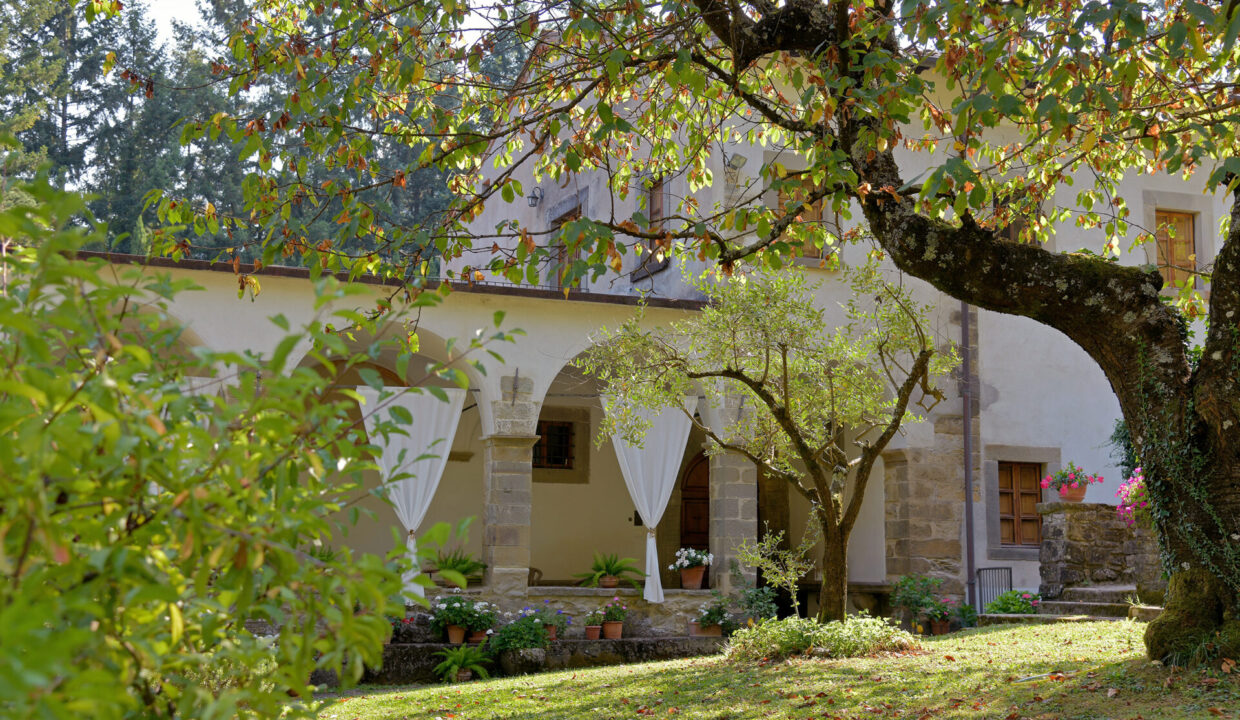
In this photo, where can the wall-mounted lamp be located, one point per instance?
(535, 197)
(736, 162)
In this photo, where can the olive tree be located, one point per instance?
(823, 396)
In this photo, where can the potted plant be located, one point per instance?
(455, 615)
(594, 624)
(554, 622)
(1070, 482)
(608, 570)
(614, 613)
(710, 619)
(691, 563)
(1134, 501)
(457, 568)
(940, 612)
(460, 664)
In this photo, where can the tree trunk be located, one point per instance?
(833, 593)
(1184, 419)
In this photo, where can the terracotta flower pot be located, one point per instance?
(477, 636)
(593, 631)
(940, 627)
(464, 675)
(1074, 495)
(550, 632)
(609, 581)
(612, 630)
(456, 634)
(696, 629)
(691, 578)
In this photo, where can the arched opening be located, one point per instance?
(695, 504)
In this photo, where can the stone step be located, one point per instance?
(998, 619)
(1096, 609)
(1100, 594)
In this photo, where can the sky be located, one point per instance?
(165, 11)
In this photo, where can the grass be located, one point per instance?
(971, 674)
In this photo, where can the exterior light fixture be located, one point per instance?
(736, 162)
(535, 196)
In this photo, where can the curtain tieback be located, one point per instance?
(650, 531)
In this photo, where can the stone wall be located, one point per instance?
(1087, 544)
(666, 619)
(925, 507)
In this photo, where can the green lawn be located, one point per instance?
(972, 674)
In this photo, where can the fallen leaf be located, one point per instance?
(1112, 692)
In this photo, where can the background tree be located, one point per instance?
(824, 398)
(996, 108)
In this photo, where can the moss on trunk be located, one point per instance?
(1199, 624)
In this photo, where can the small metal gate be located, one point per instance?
(991, 583)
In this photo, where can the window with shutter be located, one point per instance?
(1177, 254)
(1020, 491)
(810, 215)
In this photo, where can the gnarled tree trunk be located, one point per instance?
(1185, 420)
(833, 593)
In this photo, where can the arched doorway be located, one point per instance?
(695, 504)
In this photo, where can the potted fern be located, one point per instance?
(608, 570)
(461, 663)
(457, 568)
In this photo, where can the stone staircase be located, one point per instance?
(1083, 604)
(1094, 601)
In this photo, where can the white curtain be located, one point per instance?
(650, 474)
(425, 451)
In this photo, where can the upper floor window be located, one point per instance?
(810, 214)
(653, 258)
(1177, 252)
(561, 258)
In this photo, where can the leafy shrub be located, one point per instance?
(968, 615)
(1014, 602)
(527, 632)
(916, 594)
(758, 602)
(773, 638)
(858, 635)
(863, 635)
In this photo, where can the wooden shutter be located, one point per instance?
(561, 258)
(1020, 490)
(1176, 250)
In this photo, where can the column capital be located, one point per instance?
(515, 440)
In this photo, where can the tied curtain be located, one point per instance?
(650, 474)
(425, 448)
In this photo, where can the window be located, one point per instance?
(554, 448)
(1177, 254)
(561, 258)
(1020, 490)
(652, 261)
(810, 215)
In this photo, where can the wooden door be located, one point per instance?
(695, 504)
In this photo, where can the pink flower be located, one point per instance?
(1026, 595)
(1074, 486)
(1046, 482)
(1033, 602)
(1071, 476)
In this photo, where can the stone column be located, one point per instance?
(507, 488)
(733, 514)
